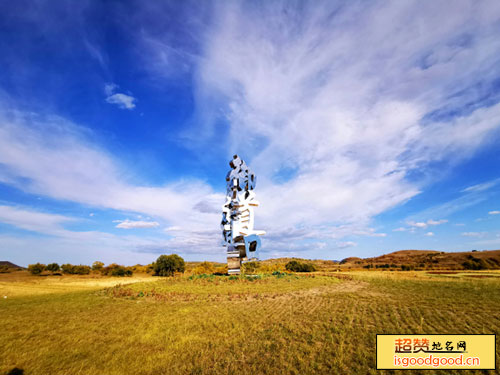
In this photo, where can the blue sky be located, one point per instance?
(371, 126)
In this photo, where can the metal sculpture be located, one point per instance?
(241, 240)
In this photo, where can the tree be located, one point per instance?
(116, 270)
(67, 268)
(75, 270)
(53, 267)
(167, 265)
(36, 269)
(97, 266)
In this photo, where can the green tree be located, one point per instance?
(36, 269)
(167, 265)
(53, 267)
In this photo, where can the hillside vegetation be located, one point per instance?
(403, 260)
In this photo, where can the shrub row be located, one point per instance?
(165, 265)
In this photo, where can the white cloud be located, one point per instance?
(348, 102)
(417, 224)
(128, 224)
(429, 234)
(346, 244)
(429, 222)
(474, 234)
(35, 221)
(67, 166)
(436, 222)
(494, 212)
(110, 88)
(400, 229)
(341, 100)
(123, 101)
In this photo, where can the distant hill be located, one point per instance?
(9, 264)
(6, 266)
(429, 259)
(406, 259)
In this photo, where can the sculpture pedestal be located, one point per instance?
(233, 263)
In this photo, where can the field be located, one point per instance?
(321, 323)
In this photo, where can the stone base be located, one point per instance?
(233, 263)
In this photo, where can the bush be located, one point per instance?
(475, 264)
(117, 270)
(296, 266)
(251, 267)
(270, 268)
(36, 269)
(167, 265)
(5, 269)
(139, 268)
(204, 268)
(75, 270)
(97, 266)
(53, 267)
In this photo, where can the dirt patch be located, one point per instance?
(346, 286)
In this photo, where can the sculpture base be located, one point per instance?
(233, 263)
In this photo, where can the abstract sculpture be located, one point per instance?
(241, 240)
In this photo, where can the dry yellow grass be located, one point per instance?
(22, 283)
(275, 325)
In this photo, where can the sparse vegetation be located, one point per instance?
(251, 267)
(204, 268)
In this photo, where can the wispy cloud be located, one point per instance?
(474, 234)
(354, 99)
(35, 221)
(429, 234)
(494, 212)
(298, 95)
(436, 222)
(129, 224)
(481, 187)
(346, 244)
(67, 166)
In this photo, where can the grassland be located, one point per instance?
(324, 323)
